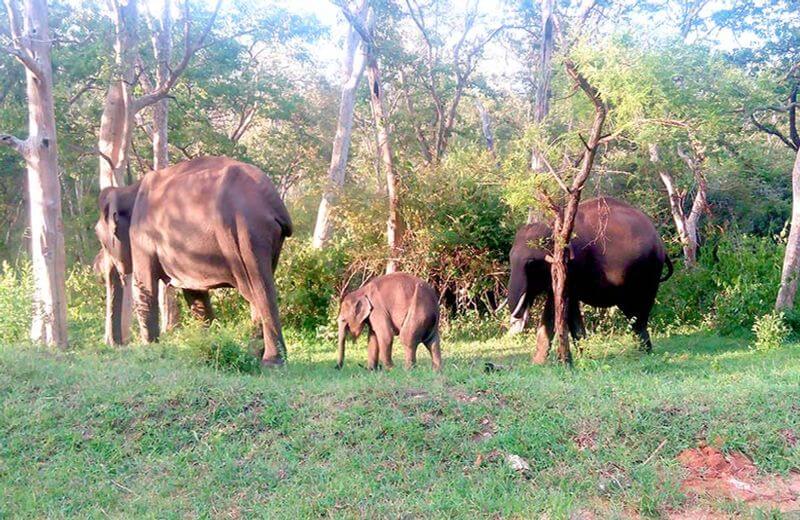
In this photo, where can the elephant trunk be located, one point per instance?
(118, 305)
(517, 289)
(342, 337)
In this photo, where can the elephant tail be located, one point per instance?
(670, 269)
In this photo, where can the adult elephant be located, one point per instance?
(198, 225)
(616, 257)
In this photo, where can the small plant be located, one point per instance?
(220, 347)
(771, 331)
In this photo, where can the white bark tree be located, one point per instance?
(162, 50)
(384, 149)
(791, 259)
(30, 45)
(353, 69)
(687, 225)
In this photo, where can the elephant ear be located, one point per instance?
(115, 211)
(363, 308)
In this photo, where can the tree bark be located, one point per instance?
(162, 50)
(353, 70)
(486, 126)
(393, 225)
(791, 259)
(31, 46)
(687, 226)
(565, 219)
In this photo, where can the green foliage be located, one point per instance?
(86, 310)
(736, 279)
(16, 286)
(308, 282)
(771, 331)
(220, 345)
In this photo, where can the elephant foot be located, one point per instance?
(272, 362)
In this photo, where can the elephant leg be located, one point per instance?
(575, 319)
(639, 315)
(199, 303)
(146, 297)
(372, 351)
(266, 301)
(411, 356)
(385, 351)
(436, 354)
(258, 330)
(544, 334)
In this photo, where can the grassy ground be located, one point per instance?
(145, 432)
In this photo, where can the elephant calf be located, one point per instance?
(396, 304)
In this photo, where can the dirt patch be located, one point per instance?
(733, 476)
(486, 431)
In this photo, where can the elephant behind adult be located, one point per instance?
(202, 224)
(616, 258)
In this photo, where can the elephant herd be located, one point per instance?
(213, 222)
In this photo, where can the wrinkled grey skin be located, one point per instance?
(615, 259)
(396, 304)
(202, 224)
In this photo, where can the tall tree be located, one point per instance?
(162, 51)
(393, 223)
(353, 70)
(30, 45)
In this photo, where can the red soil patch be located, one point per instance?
(734, 477)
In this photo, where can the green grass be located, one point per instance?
(149, 432)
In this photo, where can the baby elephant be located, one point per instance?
(396, 304)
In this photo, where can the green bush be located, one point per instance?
(308, 282)
(86, 309)
(770, 330)
(16, 286)
(735, 281)
(221, 346)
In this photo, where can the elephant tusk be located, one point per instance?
(501, 306)
(549, 259)
(520, 305)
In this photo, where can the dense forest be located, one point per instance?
(475, 124)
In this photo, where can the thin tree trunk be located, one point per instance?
(162, 49)
(393, 228)
(32, 48)
(486, 126)
(542, 107)
(353, 70)
(791, 259)
(424, 147)
(565, 220)
(545, 62)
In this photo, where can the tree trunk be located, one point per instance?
(542, 107)
(486, 126)
(32, 47)
(565, 221)
(545, 62)
(353, 70)
(162, 49)
(393, 226)
(791, 259)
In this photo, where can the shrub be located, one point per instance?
(16, 287)
(219, 346)
(308, 282)
(770, 330)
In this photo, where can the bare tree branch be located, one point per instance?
(190, 49)
(14, 143)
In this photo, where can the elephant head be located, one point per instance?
(530, 269)
(114, 261)
(354, 310)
